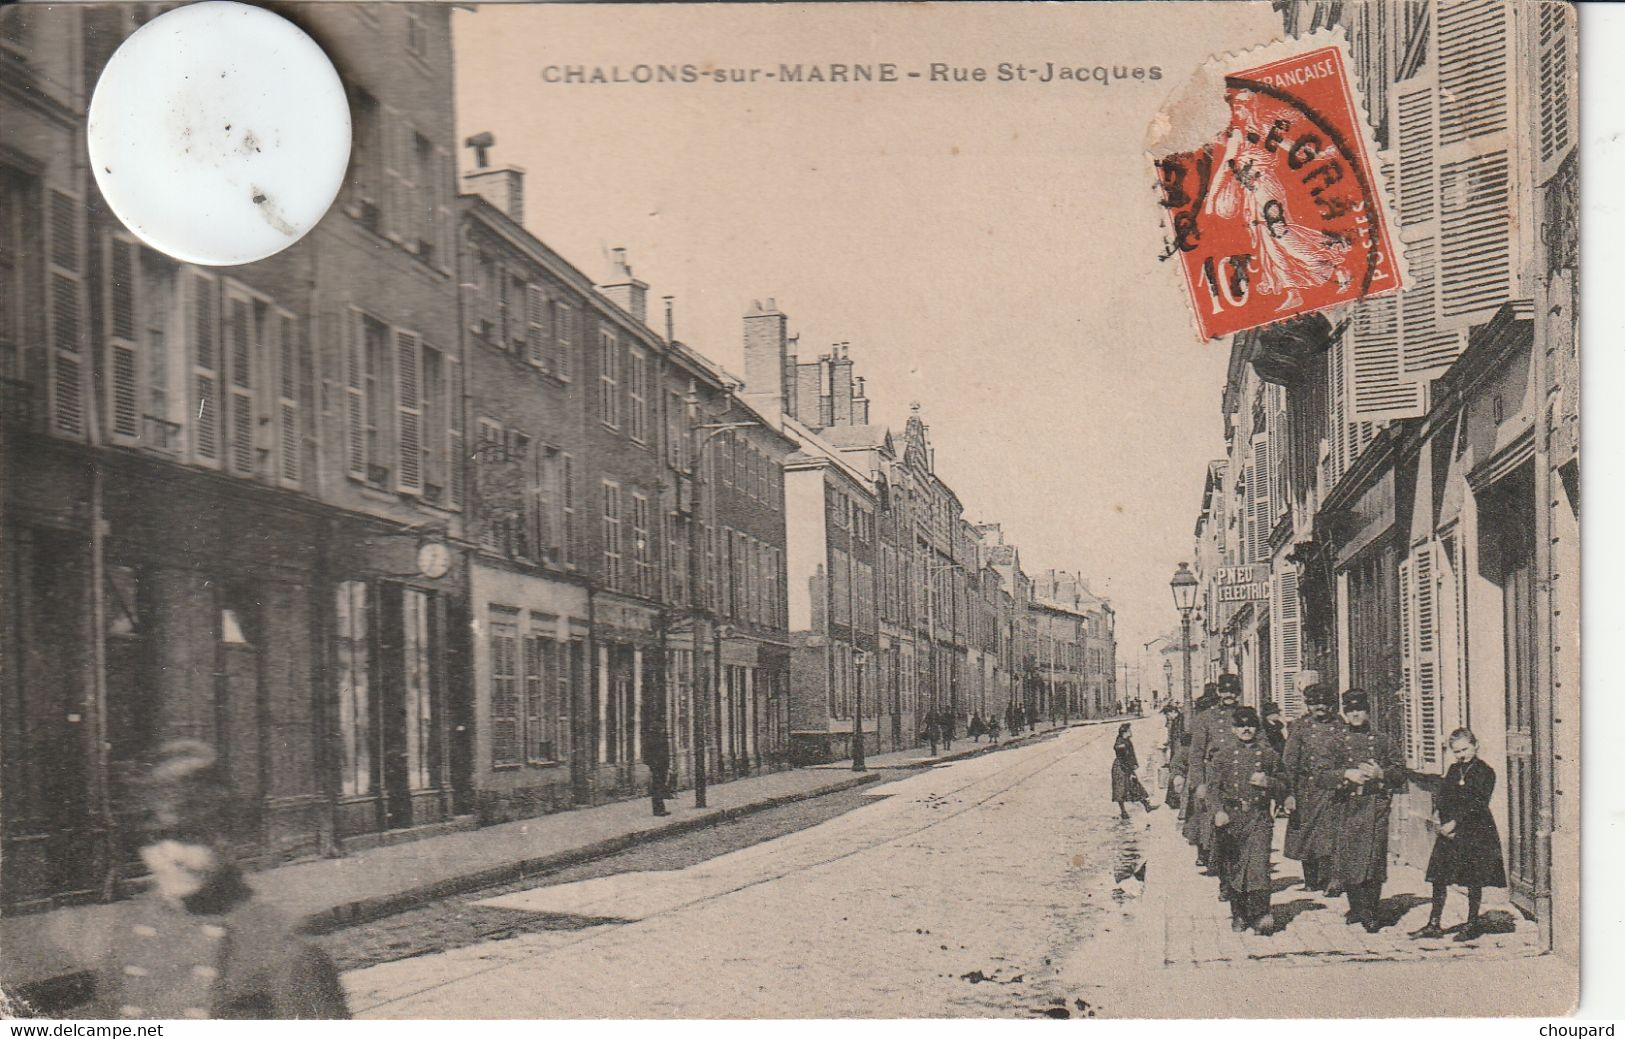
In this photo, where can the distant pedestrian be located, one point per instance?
(948, 721)
(657, 755)
(1313, 746)
(1126, 785)
(933, 730)
(1010, 723)
(198, 943)
(976, 729)
(993, 728)
(1467, 845)
(1241, 779)
(1368, 772)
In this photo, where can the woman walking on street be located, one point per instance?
(1125, 784)
(1467, 850)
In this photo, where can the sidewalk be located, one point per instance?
(326, 894)
(1181, 928)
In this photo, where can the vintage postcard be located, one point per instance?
(1003, 511)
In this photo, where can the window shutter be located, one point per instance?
(1288, 647)
(123, 325)
(355, 397)
(1407, 654)
(456, 451)
(65, 317)
(1379, 391)
(1426, 653)
(239, 366)
(390, 131)
(443, 191)
(536, 325)
(287, 340)
(1258, 496)
(1556, 78)
(409, 411)
(204, 305)
(567, 507)
(564, 338)
(1475, 183)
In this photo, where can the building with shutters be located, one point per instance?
(217, 482)
(1416, 454)
(628, 509)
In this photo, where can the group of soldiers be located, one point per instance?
(1333, 779)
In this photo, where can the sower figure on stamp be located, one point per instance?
(1242, 778)
(1314, 745)
(198, 943)
(1368, 771)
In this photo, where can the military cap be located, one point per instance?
(1356, 700)
(1320, 693)
(185, 793)
(1229, 684)
(1244, 716)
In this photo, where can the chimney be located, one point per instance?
(502, 186)
(625, 291)
(840, 388)
(860, 404)
(766, 357)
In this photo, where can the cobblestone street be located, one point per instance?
(999, 886)
(956, 893)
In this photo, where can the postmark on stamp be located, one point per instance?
(1279, 211)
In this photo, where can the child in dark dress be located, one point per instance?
(1467, 851)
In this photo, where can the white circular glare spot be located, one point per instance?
(219, 133)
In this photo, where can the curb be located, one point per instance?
(352, 914)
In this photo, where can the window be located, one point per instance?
(609, 378)
(354, 669)
(840, 572)
(436, 427)
(541, 686)
(643, 576)
(425, 183)
(637, 385)
(421, 755)
(366, 449)
(612, 535)
(367, 161)
(13, 212)
(504, 688)
(417, 37)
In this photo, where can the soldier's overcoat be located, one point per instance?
(1361, 853)
(1312, 747)
(1244, 841)
(235, 957)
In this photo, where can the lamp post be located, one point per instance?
(1183, 586)
(706, 433)
(859, 659)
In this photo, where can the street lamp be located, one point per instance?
(706, 432)
(1183, 585)
(859, 658)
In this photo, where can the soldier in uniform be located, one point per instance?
(1366, 773)
(1242, 776)
(1189, 815)
(1209, 735)
(198, 944)
(1313, 745)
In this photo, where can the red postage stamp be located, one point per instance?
(1281, 212)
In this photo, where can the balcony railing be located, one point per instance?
(162, 435)
(377, 474)
(17, 403)
(434, 494)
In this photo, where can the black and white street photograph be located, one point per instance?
(789, 511)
